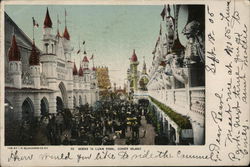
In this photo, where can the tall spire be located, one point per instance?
(163, 13)
(14, 53)
(34, 56)
(75, 69)
(47, 21)
(66, 33)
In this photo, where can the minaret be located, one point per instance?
(15, 64)
(133, 65)
(35, 66)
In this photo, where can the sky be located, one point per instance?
(110, 32)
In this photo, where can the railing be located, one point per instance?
(183, 100)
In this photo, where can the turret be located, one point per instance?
(15, 64)
(48, 38)
(48, 58)
(35, 66)
(47, 24)
(133, 65)
(66, 44)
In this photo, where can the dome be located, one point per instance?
(134, 57)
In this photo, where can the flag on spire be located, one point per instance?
(35, 24)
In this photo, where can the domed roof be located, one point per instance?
(34, 56)
(47, 21)
(14, 53)
(134, 57)
(75, 69)
(66, 34)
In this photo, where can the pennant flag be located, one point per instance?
(83, 42)
(91, 57)
(78, 51)
(35, 24)
(163, 13)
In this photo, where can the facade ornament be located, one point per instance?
(27, 79)
(195, 50)
(43, 80)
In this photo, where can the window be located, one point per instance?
(46, 47)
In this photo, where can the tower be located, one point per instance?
(35, 66)
(48, 58)
(134, 74)
(15, 64)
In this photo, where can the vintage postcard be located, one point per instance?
(122, 83)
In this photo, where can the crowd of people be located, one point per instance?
(101, 125)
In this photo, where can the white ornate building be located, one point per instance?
(46, 81)
(177, 74)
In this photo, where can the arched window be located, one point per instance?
(52, 48)
(46, 47)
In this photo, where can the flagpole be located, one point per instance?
(65, 18)
(57, 26)
(33, 29)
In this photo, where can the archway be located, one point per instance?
(59, 104)
(27, 110)
(64, 94)
(44, 106)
